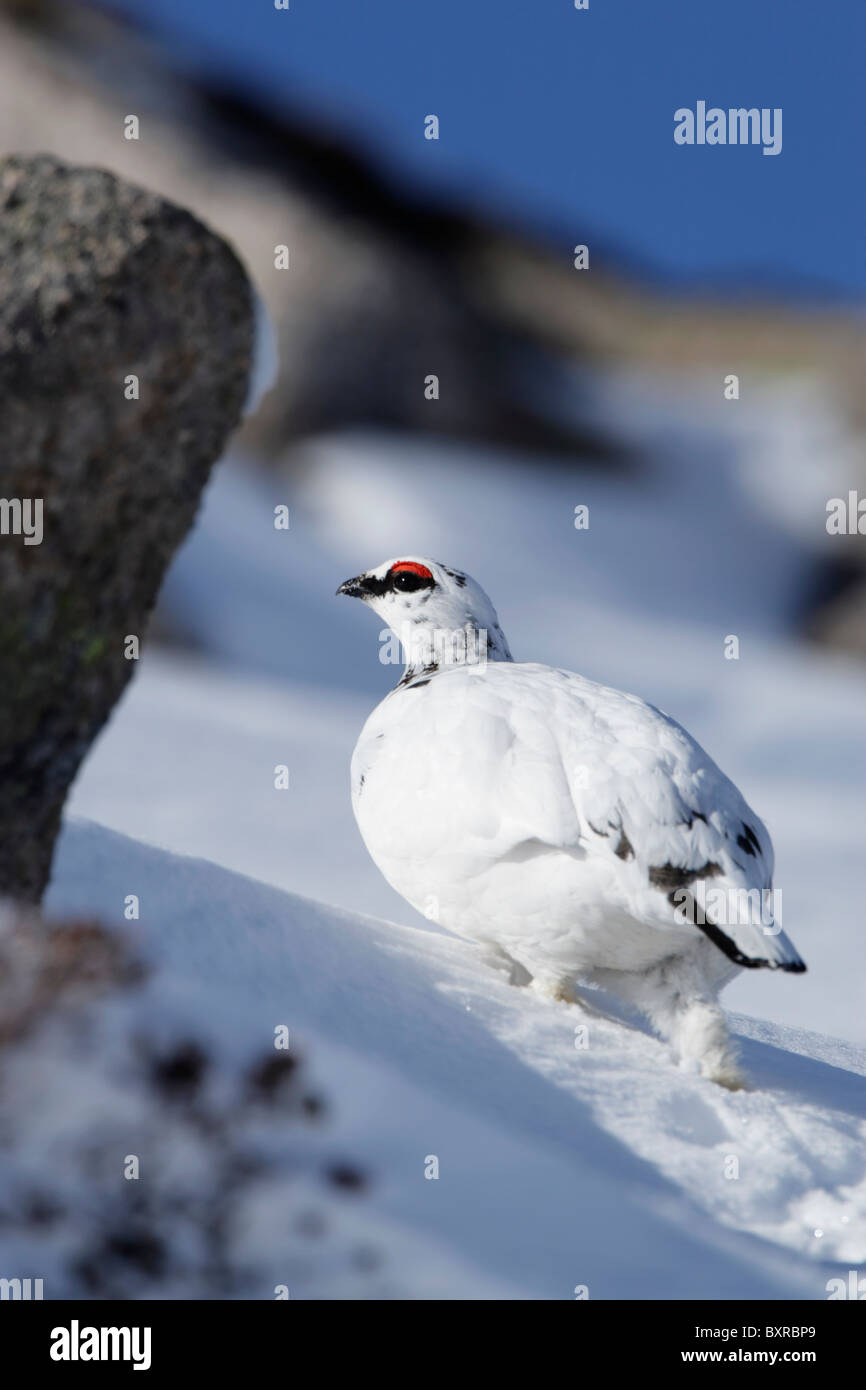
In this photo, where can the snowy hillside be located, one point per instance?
(559, 1165)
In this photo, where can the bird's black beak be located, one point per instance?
(353, 588)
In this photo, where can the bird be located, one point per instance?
(576, 831)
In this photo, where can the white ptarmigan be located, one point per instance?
(577, 830)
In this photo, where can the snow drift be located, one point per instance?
(570, 1164)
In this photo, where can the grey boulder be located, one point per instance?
(126, 331)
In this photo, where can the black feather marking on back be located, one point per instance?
(669, 876)
(409, 679)
(624, 848)
(459, 579)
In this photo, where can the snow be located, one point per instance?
(559, 1166)
(608, 1166)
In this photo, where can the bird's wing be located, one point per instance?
(691, 848)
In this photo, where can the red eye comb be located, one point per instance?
(410, 567)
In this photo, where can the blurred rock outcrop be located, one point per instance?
(382, 289)
(125, 341)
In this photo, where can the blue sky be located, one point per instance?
(563, 119)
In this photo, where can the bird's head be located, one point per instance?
(440, 614)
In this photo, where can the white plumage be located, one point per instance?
(574, 828)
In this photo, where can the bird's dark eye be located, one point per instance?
(406, 581)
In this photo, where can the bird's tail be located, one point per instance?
(745, 925)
